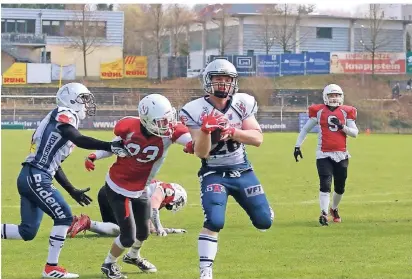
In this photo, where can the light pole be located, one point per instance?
(363, 55)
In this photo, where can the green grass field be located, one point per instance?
(373, 241)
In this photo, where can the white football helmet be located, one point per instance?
(220, 67)
(335, 101)
(77, 97)
(157, 115)
(179, 200)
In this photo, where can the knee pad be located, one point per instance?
(64, 221)
(126, 241)
(263, 217)
(325, 183)
(142, 235)
(214, 224)
(339, 187)
(28, 232)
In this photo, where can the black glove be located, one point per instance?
(297, 153)
(80, 196)
(336, 121)
(118, 149)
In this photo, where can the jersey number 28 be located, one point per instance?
(149, 153)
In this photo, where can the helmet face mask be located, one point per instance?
(216, 80)
(87, 99)
(179, 198)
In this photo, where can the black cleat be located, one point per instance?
(143, 264)
(112, 271)
(323, 219)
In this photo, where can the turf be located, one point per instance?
(373, 241)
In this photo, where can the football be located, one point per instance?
(215, 136)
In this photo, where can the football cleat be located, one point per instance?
(82, 224)
(335, 214)
(112, 271)
(206, 272)
(75, 219)
(51, 271)
(141, 263)
(323, 219)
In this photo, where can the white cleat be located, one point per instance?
(57, 272)
(206, 272)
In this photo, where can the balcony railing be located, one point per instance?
(23, 39)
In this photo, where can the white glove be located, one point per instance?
(162, 232)
(118, 149)
(175, 231)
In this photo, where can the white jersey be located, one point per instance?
(229, 154)
(48, 148)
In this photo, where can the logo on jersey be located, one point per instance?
(254, 191)
(216, 188)
(46, 196)
(204, 113)
(230, 116)
(242, 107)
(51, 142)
(183, 119)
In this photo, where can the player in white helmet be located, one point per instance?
(171, 196)
(147, 139)
(336, 121)
(221, 124)
(52, 142)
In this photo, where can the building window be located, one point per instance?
(323, 32)
(51, 27)
(93, 28)
(18, 26)
(410, 17)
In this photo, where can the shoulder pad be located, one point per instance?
(244, 104)
(313, 110)
(125, 125)
(67, 116)
(351, 112)
(190, 113)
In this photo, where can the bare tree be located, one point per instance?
(84, 33)
(286, 22)
(155, 27)
(134, 29)
(266, 33)
(376, 39)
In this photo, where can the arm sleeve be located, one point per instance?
(62, 179)
(305, 130)
(101, 154)
(350, 128)
(72, 134)
(156, 219)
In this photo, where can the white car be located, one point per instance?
(193, 73)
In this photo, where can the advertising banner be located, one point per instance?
(268, 65)
(303, 118)
(245, 65)
(227, 57)
(317, 63)
(409, 62)
(292, 64)
(355, 63)
(276, 124)
(68, 72)
(135, 66)
(112, 70)
(38, 73)
(16, 74)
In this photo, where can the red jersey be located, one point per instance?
(330, 138)
(167, 191)
(130, 175)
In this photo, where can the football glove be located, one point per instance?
(80, 196)
(229, 132)
(89, 162)
(175, 231)
(337, 122)
(297, 153)
(189, 148)
(118, 149)
(162, 232)
(212, 122)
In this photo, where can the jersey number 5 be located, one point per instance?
(331, 126)
(149, 153)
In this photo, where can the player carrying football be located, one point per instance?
(171, 196)
(147, 138)
(336, 122)
(52, 142)
(221, 124)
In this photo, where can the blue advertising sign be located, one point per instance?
(317, 63)
(292, 64)
(303, 118)
(245, 65)
(268, 65)
(227, 57)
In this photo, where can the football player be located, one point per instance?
(221, 124)
(147, 139)
(171, 196)
(336, 121)
(52, 142)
